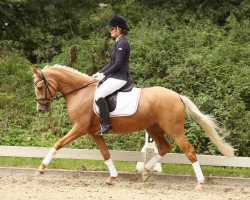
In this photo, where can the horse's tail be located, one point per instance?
(209, 125)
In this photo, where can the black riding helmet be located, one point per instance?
(118, 21)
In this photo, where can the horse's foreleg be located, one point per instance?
(106, 155)
(70, 136)
(157, 134)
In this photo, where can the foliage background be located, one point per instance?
(198, 48)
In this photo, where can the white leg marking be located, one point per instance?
(198, 172)
(153, 161)
(111, 167)
(49, 157)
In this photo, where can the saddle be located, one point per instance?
(112, 98)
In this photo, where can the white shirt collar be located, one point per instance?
(117, 39)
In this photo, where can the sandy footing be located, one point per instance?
(24, 187)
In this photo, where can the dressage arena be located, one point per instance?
(22, 184)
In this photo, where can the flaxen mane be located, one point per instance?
(66, 68)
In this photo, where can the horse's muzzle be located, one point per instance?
(43, 108)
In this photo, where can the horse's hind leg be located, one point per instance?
(173, 126)
(157, 134)
(183, 143)
(176, 132)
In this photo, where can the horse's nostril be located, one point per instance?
(40, 110)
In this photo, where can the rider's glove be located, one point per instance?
(100, 76)
(94, 76)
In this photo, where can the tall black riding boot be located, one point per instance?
(104, 114)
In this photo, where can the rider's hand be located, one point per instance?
(100, 76)
(94, 76)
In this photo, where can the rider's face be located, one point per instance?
(115, 32)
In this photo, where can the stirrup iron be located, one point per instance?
(104, 129)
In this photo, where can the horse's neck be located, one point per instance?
(68, 81)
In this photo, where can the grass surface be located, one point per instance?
(72, 164)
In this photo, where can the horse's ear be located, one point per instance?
(35, 71)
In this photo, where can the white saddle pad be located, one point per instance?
(126, 105)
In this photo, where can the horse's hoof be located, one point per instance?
(198, 187)
(145, 176)
(39, 172)
(110, 180)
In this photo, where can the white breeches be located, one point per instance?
(108, 87)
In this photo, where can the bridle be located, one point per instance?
(44, 101)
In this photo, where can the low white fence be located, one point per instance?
(86, 154)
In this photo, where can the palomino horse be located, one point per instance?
(160, 111)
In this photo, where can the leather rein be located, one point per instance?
(47, 86)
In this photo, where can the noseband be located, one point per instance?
(44, 101)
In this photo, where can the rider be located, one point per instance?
(116, 72)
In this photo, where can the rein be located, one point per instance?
(47, 90)
(64, 95)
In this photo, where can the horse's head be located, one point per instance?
(44, 90)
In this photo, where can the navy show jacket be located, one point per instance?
(118, 67)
